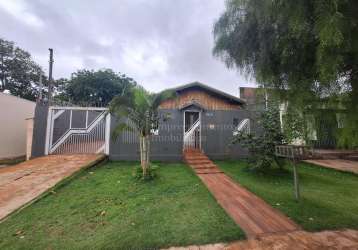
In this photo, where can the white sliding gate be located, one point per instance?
(77, 130)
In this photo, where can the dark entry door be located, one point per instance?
(190, 119)
(191, 129)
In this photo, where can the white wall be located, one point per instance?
(13, 114)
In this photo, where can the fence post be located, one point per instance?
(48, 130)
(107, 135)
(295, 177)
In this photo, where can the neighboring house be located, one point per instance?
(255, 98)
(13, 112)
(199, 117)
(322, 124)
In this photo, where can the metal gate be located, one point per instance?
(77, 130)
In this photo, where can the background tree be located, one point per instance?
(137, 110)
(91, 88)
(308, 50)
(19, 74)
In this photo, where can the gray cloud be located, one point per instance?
(160, 43)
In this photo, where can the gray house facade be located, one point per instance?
(199, 117)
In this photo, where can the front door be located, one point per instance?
(192, 129)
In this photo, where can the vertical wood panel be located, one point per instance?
(206, 100)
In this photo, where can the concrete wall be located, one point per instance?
(39, 132)
(217, 132)
(166, 146)
(13, 112)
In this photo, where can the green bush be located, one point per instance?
(151, 174)
(261, 145)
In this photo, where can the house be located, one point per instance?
(14, 111)
(198, 117)
(323, 122)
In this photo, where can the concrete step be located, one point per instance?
(199, 162)
(206, 169)
(195, 155)
(327, 154)
(188, 158)
(209, 166)
(351, 157)
(198, 159)
(209, 172)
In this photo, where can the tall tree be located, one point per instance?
(141, 109)
(19, 74)
(88, 87)
(307, 48)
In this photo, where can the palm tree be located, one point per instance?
(140, 108)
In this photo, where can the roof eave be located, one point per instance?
(218, 92)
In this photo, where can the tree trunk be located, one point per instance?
(148, 150)
(144, 154)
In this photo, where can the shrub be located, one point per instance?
(151, 173)
(261, 145)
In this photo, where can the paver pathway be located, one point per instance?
(251, 213)
(24, 182)
(301, 240)
(298, 240)
(338, 164)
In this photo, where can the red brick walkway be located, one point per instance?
(338, 164)
(250, 212)
(24, 182)
(298, 240)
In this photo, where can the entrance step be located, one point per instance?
(196, 157)
(203, 166)
(353, 157)
(195, 160)
(209, 172)
(200, 163)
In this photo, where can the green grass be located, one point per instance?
(329, 197)
(174, 209)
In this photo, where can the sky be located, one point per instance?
(159, 43)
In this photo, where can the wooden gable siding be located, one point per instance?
(201, 97)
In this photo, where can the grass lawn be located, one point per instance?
(329, 197)
(104, 208)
